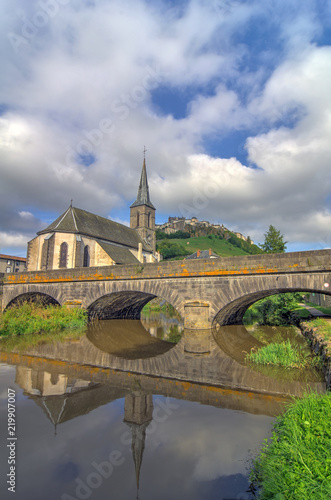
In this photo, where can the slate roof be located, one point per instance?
(78, 221)
(143, 191)
(204, 254)
(119, 254)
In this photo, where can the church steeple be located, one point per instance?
(143, 190)
(138, 414)
(142, 211)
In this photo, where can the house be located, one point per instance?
(78, 238)
(203, 254)
(11, 264)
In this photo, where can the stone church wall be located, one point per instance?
(33, 254)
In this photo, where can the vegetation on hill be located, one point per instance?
(183, 243)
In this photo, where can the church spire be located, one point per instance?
(143, 190)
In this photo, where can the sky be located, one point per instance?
(231, 99)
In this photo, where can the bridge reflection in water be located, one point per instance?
(202, 357)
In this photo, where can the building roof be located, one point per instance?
(12, 257)
(78, 221)
(119, 255)
(203, 254)
(143, 191)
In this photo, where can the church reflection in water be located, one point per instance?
(63, 398)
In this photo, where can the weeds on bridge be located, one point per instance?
(32, 318)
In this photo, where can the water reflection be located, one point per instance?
(163, 325)
(119, 411)
(117, 439)
(126, 338)
(238, 340)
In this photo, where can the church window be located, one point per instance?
(138, 217)
(63, 254)
(86, 256)
(149, 219)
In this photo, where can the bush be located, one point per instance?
(276, 310)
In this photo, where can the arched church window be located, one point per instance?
(63, 254)
(149, 219)
(138, 217)
(86, 262)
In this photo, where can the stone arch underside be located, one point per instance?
(36, 297)
(233, 312)
(119, 305)
(126, 301)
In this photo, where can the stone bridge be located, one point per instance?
(205, 292)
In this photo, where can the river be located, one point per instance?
(119, 412)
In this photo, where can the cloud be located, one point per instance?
(79, 104)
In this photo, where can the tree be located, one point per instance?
(170, 250)
(273, 241)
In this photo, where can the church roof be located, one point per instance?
(143, 191)
(78, 221)
(119, 254)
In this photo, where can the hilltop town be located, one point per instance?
(175, 224)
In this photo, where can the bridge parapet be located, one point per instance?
(292, 262)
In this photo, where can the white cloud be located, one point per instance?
(93, 62)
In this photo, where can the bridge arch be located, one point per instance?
(127, 302)
(36, 297)
(119, 305)
(233, 312)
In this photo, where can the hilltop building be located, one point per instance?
(181, 224)
(78, 238)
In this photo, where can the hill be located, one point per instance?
(179, 248)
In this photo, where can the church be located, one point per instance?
(82, 239)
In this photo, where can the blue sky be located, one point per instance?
(230, 98)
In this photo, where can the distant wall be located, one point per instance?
(320, 299)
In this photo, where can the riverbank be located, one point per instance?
(318, 333)
(32, 318)
(295, 463)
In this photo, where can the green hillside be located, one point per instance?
(221, 247)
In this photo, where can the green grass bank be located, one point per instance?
(283, 354)
(296, 462)
(31, 318)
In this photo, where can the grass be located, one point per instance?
(324, 327)
(222, 247)
(282, 354)
(296, 463)
(325, 310)
(31, 318)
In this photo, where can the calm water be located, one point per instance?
(119, 412)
